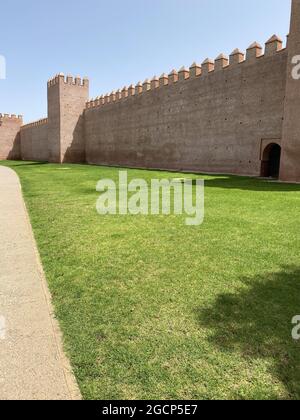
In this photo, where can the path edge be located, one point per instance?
(70, 379)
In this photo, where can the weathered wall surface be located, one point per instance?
(214, 122)
(9, 136)
(290, 161)
(34, 141)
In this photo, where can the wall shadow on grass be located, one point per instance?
(256, 323)
(22, 163)
(250, 184)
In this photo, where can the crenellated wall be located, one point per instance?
(34, 141)
(231, 115)
(10, 136)
(212, 118)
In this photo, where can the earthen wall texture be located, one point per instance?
(10, 138)
(34, 143)
(290, 160)
(212, 123)
(73, 99)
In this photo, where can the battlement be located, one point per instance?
(254, 52)
(68, 80)
(42, 121)
(11, 117)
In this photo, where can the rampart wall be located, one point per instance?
(212, 118)
(34, 141)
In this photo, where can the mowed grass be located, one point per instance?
(153, 309)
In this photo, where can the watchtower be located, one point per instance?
(67, 97)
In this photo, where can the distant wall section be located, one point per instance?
(10, 136)
(34, 141)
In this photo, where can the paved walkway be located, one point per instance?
(32, 363)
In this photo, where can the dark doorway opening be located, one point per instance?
(271, 161)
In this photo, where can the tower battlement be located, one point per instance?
(68, 80)
(11, 117)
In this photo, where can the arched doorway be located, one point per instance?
(271, 161)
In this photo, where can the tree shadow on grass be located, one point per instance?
(256, 323)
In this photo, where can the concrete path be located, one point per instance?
(32, 363)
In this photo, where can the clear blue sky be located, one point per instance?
(119, 42)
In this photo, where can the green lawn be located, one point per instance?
(153, 309)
